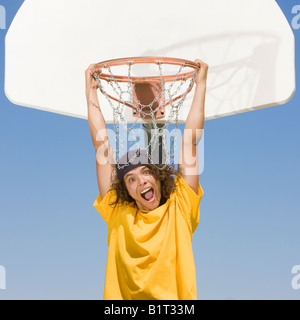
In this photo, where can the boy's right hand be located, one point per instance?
(90, 82)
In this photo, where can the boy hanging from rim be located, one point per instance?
(151, 213)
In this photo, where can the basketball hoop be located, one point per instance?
(153, 87)
(145, 89)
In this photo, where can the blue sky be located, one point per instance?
(53, 243)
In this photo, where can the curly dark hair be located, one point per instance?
(164, 173)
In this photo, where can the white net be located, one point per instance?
(154, 108)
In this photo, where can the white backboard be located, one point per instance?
(248, 45)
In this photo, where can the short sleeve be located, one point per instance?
(189, 201)
(105, 207)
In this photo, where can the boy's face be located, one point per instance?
(143, 188)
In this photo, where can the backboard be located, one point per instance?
(248, 45)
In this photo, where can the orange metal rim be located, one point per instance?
(139, 60)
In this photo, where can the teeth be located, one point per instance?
(144, 191)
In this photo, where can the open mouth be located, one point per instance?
(148, 194)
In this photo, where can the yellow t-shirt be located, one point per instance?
(150, 252)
